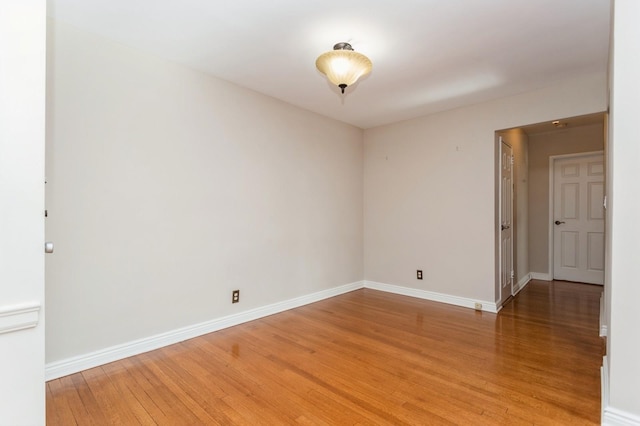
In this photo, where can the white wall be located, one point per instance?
(22, 93)
(167, 189)
(623, 351)
(429, 188)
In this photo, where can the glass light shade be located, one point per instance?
(343, 67)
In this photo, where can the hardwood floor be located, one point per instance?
(365, 357)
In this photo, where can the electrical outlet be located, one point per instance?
(478, 306)
(235, 296)
(419, 274)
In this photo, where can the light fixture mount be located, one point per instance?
(342, 46)
(343, 66)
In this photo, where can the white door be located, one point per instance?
(578, 219)
(506, 220)
(22, 137)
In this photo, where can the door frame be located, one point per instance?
(500, 300)
(552, 163)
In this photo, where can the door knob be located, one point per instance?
(48, 247)
(503, 227)
(557, 222)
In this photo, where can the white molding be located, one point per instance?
(520, 285)
(604, 386)
(614, 417)
(19, 317)
(541, 276)
(433, 296)
(75, 364)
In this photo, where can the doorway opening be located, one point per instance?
(533, 147)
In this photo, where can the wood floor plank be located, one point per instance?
(290, 393)
(149, 396)
(365, 357)
(58, 410)
(181, 405)
(129, 393)
(92, 407)
(118, 408)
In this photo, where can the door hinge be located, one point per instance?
(513, 275)
(512, 160)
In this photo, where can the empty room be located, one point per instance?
(319, 213)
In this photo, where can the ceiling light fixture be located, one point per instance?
(343, 66)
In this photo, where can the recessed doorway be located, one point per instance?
(533, 146)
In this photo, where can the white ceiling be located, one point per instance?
(428, 55)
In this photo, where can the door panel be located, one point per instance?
(595, 248)
(569, 250)
(595, 192)
(578, 228)
(570, 201)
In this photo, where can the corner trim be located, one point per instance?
(520, 285)
(614, 417)
(541, 276)
(604, 387)
(433, 296)
(19, 317)
(603, 326)
(75, 364)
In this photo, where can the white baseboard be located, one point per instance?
(73, 365)
(433, 296)
(522, 284)
(612, 416)
(541, 276)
